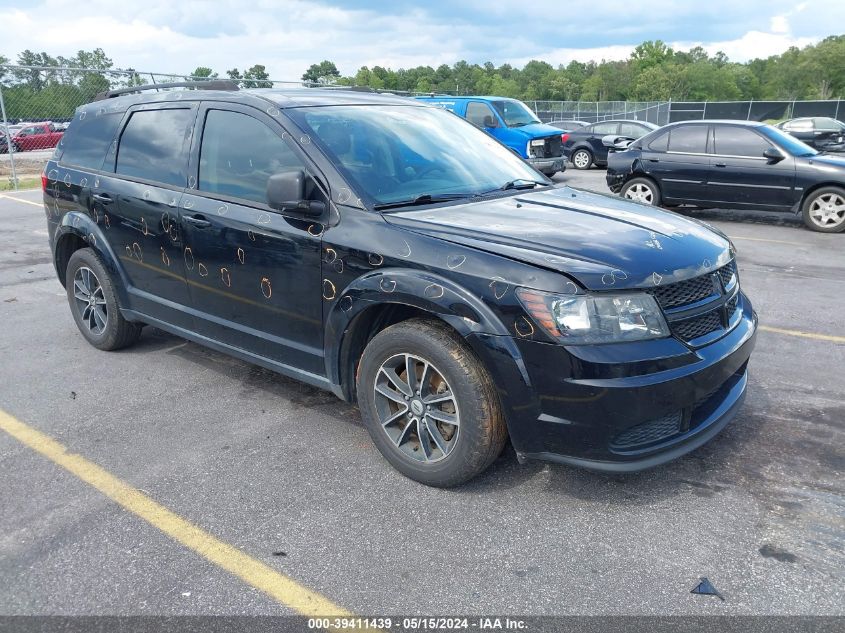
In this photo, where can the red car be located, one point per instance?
(37, 136)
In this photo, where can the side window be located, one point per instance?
(660, 143)
(479, 114)
(690, 139)
(632, 130)
(239, 153)
(731, 140)
(826, 125)
(153, 146)
(799, 125)
(87, 139)
(605, 128)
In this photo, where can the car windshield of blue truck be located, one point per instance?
(419, 154)
(787, 142)
(515, 113)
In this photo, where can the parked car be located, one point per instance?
(37, 136)
(732, 164)
(514, 124)
(4, 143)
(456, 300)
(584, 146)
(822, 133)
(567, 125)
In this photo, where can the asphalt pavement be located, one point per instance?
(287, 475)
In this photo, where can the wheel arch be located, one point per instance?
(78, 230)
(388, 296)
(812, 189)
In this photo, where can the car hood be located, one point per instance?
(827, 162)
(601, 241)
(537, 130)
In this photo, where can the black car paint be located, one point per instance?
(725, 181)
(297, 294)
(586, 138)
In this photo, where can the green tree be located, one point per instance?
(323, 73)
(203, 72)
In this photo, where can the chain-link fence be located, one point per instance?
(591, 111)
(37, 102)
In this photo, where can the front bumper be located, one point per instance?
(625, 407)
(550, 165)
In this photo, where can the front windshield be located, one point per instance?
(394, 153)
(787, 142)
(515, 113)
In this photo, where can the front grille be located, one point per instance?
(698, 326)
(727, 273)
(649, 432)
(673, 297)
(683, 292)
(551, 148)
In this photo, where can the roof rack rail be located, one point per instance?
(214, 84)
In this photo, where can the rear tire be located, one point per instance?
(642, 190)
(450, 400)
(824, 210)
(582, 158)
(93, 303)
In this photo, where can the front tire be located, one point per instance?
(582, 159)
(824, 210)
(642, 190)
(429, 404)
(93, 303)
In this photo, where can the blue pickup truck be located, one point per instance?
(514, 124)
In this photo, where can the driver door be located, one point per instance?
(482, 115)
(253, 272)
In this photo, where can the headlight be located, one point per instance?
(596, 318)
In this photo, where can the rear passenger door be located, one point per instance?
(678, 160)
(253, 272)
(595, 134)
(741, 175)
(140, 207)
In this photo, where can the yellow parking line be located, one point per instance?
(761, 239)
(35, 204)
(818, 337)
(278, 586)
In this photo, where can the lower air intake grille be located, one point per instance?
(649, 432)
(699, 326)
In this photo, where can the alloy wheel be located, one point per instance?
(640, 193)
(90, 300)
(417, 408)
(828, 210)
(581, 160)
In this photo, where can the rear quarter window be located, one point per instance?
(87, 139)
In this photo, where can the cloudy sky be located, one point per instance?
(288, 35)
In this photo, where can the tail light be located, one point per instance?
(43, 181)
(564, 138)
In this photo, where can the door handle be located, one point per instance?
(197, 220)
(653, 160)
(104, 198)
(720, 165)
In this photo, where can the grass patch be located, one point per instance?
(23, 183)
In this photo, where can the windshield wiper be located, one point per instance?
(425, 198)
(519, 183)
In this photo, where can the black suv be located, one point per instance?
(396, 255)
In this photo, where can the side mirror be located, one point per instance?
(489, 121)
(772, 155)
(286, 192)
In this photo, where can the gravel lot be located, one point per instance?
(286, 474)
